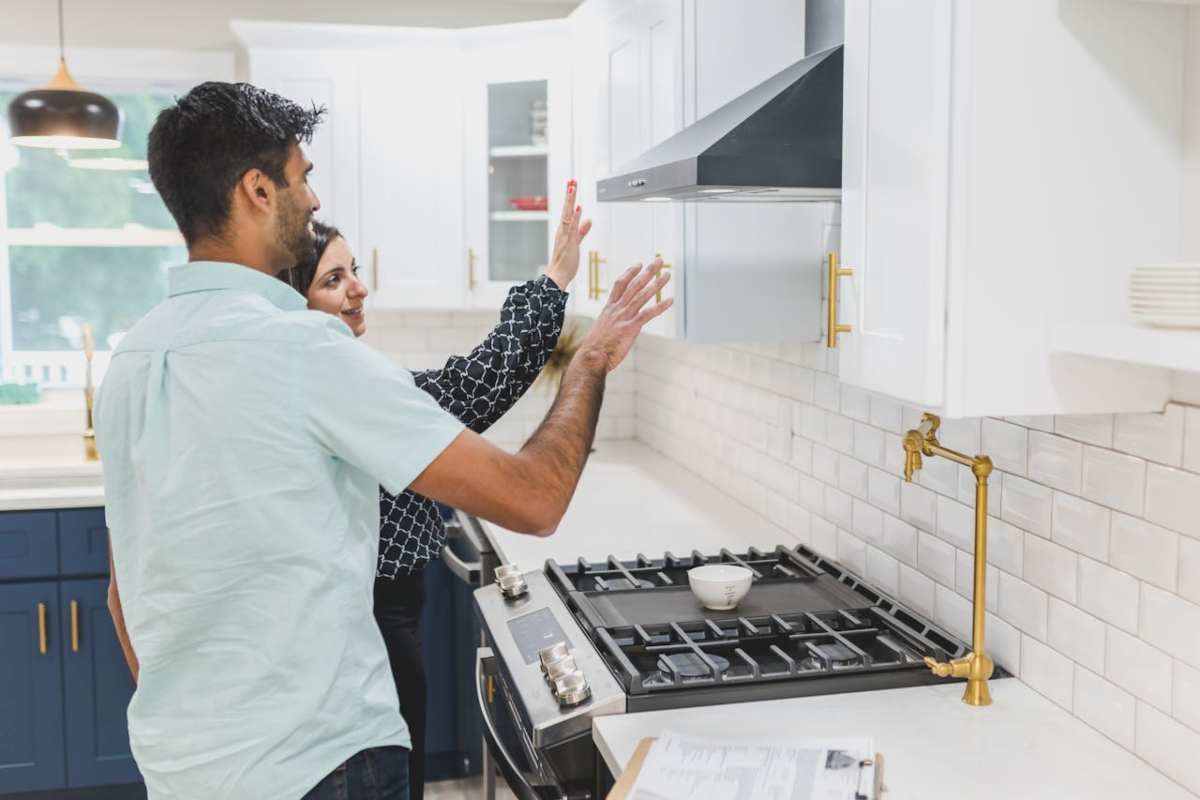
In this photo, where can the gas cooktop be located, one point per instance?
(807, 626)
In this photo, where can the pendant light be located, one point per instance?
(63, 115)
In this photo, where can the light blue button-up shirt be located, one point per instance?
(244, 440)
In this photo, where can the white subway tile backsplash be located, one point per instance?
(1106, 707)
(952, 611)
(1191, 439)
(1169, 746)
(824, 537)
(1006, 546)
(1051, 567)
(918, 506)
(900, 539)
(1138, 668)
(868, 522)
(1077, 635)
(840, 433)
(886, 414)
(1007, 444)
(1023, 605)
(956, 524)
(1094, 521)
(839, 507)
(825, 464)
(1047, 671)
(1185, 704)
(1173, 499)
(868, 444)
(883, 571)
(883, 490)
(852, 552)
(916, 590)
(1080, 525)
(856, 403)
(1189, 569)
(1094, 429)
(1170, 623)
(1114, 480)
(1108, 593)
(1055, 461)
(1147, 551)
(852, 477)
(936, 559)
(1027, 505)
(1154, 437)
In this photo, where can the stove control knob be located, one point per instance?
(572, 689)
(511, 581)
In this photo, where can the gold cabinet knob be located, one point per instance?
(74, 626)
(658, 294)
(594, 262)
(41, 612)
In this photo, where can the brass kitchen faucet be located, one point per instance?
(976, 667)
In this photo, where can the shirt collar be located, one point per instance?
(208, 276)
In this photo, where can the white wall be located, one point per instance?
(1189, 247)
(1094, 552)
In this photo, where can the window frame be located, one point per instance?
(99, 69)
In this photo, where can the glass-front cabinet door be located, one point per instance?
(518, 160)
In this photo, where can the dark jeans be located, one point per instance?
(398, 604)
(380, 773)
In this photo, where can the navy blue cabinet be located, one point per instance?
(28, 544)
(97, 688)
(31, 701)
(64, 684)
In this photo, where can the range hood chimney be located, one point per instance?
(779, 142)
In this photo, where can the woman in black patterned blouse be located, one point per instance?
(478, 389)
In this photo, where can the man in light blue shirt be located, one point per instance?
(244, 439)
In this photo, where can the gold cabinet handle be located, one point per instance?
(42, 628)
(374, 269)
(471, 268)
(835, 272)
(74, 626)
(594, 262)
(658, 294)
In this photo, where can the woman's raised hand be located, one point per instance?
(564, 261)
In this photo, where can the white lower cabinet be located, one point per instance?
(1005, 165)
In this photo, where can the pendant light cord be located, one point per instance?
(62, 55)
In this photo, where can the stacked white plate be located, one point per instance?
(1166, 296)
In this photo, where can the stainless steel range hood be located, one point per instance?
(779, 142)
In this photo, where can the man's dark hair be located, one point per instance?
(201, 147)
(300, 277)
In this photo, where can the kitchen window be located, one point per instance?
(84, 239)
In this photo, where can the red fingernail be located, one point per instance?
(578, 209)
(571, 184)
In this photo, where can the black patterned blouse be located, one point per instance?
(478, 389)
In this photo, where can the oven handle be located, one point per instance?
(467, 572)
(467, 527)
(512, 775)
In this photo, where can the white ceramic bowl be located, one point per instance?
(720, 586)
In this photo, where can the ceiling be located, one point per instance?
(191, 25)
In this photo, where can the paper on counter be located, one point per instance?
(683, 767)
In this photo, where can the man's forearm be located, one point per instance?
(559, 448)
(118, 616)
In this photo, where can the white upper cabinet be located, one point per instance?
(1005, 165)
(517, 101)
(412, 174)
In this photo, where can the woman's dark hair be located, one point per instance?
(201, 147)
(300, 277)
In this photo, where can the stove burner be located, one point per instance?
(690, 665)
(617, 584)
(835, 654)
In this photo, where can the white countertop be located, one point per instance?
(55, 497)
(1022, 747)
(633, 500)
(28, 486)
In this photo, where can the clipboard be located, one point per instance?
(623, 788)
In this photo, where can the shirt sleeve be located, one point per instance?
(481, 387)
(368, 412)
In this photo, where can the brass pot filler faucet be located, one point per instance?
(976, 667)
